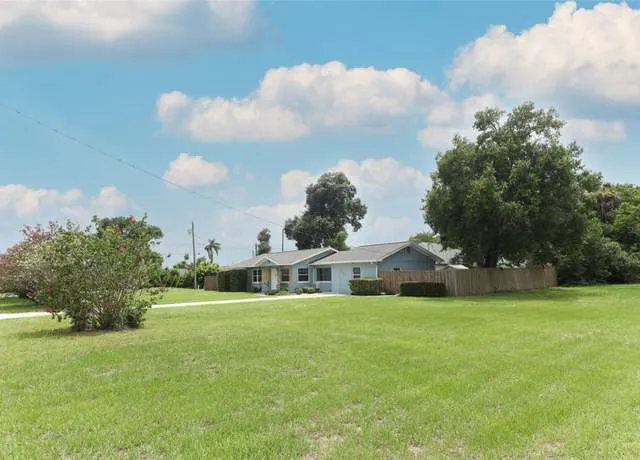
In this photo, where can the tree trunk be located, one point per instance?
(490, 260)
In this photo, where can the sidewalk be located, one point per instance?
(36, 314)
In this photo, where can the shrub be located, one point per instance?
(233, 281)
(95, 277)
(278, 292)
(423, 289)
(298, 291)
(309, 290)
(368, 286)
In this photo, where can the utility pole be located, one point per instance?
(193, 242)
(283, 240)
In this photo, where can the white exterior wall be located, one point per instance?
(341, 274)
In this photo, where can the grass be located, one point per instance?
(178, 295)
(527, 375)
(12, 304)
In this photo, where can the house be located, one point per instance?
(333, 273)
(283, 270)
(330, 271)
(451, 258)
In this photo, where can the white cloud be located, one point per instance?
(293, 183)
(378, 177)
(109, 199)
(595, 130)
(593, 52)
(291, 102)
(108, 202)
(194, 171)
(454, 117)
(22, 200)
(41, 28)
(373, 177)
(385, 229)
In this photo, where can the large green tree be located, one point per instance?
(609, 251)
(516, 192)
(424, 237)
(331, 205)
(264, 242)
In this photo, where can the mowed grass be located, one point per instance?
(527, 375)
(179, 295)
(10, 303)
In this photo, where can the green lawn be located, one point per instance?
(177, 295)
(12, 304)
(528, 375)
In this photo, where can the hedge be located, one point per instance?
(423, 289)
(232, 281)
(370, 286)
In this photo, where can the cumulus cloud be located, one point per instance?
(194, 171)
(43, 28)
(108, 202)
(23, 201)
(373, 177)
(590, 51)
(595, 130)
(384, 229)
(293, 183)
(454, 117)
(378, 177)
(291, 102)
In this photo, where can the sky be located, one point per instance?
(241, 105)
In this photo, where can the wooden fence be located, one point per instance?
(211, 283)
(476, 281)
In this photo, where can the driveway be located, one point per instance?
(36, 314)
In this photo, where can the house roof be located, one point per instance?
(372, 253)
(447, 255)
(282, 258)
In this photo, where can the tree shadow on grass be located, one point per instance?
(63, 333)
(563, 294)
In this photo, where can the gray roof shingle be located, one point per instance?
(368, 254)
(447, 255)
(281, 258)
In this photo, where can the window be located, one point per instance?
(396, 269)
(408, 250)
(257, 275)
(323, 274)
(356, 273)
(303, 275)
(284, 274)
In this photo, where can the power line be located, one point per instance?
(133, 166)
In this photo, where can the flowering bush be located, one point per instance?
(96, 277)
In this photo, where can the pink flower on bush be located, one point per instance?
(132, 219)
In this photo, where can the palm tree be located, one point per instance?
(211, 247)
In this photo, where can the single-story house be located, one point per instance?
(282, 270)
(450, 258)
(330, 270)
(334, 272)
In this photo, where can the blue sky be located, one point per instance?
(246, 103)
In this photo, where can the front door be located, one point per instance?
(274, 279)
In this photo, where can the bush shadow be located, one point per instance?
(62, 333)
(562, 294)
